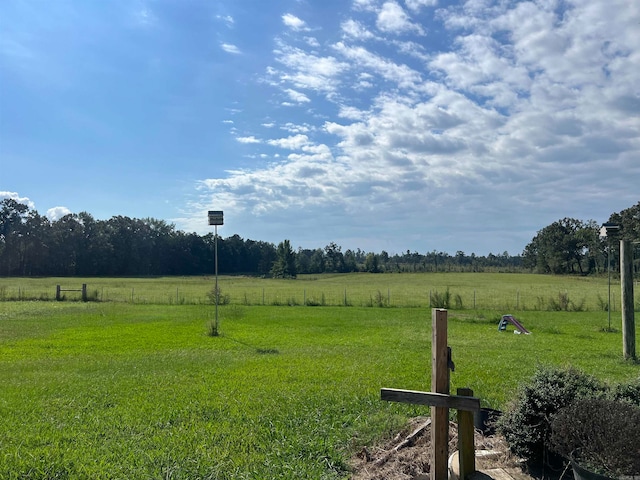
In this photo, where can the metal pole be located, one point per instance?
(609, 273)
(215, 242)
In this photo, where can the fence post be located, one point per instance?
(58, 293)
(466, 446)
(84, 292)
(627, 302)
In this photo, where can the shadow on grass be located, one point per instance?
(258, 350)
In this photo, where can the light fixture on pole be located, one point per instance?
(605, 232)
(216, 218)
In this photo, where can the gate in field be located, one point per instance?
(83, 290)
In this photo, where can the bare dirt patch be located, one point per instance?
(408, 455)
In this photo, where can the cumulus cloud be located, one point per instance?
(393, 19)
(529, 106)
(16, 196)
(56, 213)
(294, 23)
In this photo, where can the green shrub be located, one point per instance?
(626, 392)
(600, 434)
(526, 423)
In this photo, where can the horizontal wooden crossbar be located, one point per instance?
(456, 402)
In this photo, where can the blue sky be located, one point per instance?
(377, 124)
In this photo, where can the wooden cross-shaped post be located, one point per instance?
(441, 401)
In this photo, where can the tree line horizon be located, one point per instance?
(79, 245)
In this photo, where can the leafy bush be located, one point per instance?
(526, 423)
(626, 392)
(602, 435)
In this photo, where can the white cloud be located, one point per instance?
(229, 48)
(228, 19)
(15, 196)
(521, 119)
(296, 96)
(295, 142)
(416, 5)
(390, 71)
(354, 29)
(249, 139)
(295, 128)
(56, 213)
(393, 19)
(312, 42)
(294, 23)
(309, 71)
(366, 5)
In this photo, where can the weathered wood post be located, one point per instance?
(466, 446)
(439, 384)
(440, 401)
(626, 284)
(58, 293)
(84, 292)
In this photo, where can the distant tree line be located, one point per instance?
(79, 245)
(572, 246)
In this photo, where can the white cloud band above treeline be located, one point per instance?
(536, 103)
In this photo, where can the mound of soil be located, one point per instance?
(408, 455)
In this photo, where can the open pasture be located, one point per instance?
(118, 390)
(466, 291)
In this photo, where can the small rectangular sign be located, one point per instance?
(215, 217)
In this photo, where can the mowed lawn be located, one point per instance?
(113, 390)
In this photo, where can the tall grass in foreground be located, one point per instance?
(103, 391)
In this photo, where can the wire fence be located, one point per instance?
(514, 299)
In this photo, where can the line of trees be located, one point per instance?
(79, 245)
(572, 246)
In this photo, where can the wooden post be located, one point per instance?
(626, 284)
(466, 446)
(440, 401)
(84, 292)
(439, 384)
(58, 293)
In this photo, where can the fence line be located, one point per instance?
(515, 300)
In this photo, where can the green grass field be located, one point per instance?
(107, 390)
(488, 291)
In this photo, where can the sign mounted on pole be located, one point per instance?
(215, 217)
